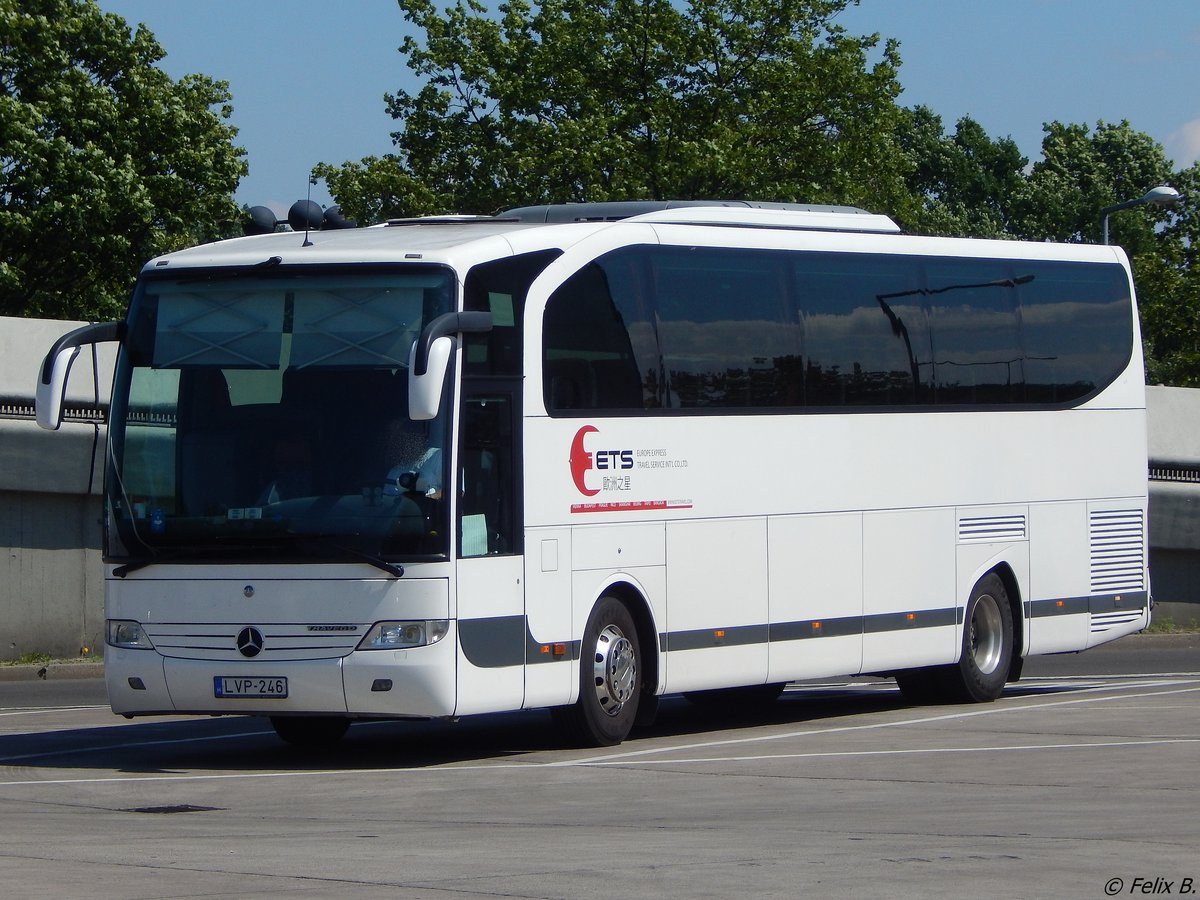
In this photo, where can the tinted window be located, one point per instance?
(693, 328)
(589, 342)
(974, 354)
(863, 329)
(1076, 325)
(727, 327)
(499, 287)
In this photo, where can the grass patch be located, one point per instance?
(1167, 625)
(31, 659)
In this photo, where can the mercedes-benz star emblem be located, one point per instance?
(250, 641)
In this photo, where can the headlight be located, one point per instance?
(126, 634)
(401, 635)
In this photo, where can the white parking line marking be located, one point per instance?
(997, 708)
(44, 710)
(834, 754)
(640, 756)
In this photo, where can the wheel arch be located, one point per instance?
(643, 618)
(1012, 587)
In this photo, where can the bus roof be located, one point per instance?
(463, 241)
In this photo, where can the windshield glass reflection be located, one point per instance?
(267, 418)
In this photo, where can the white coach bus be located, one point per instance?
(580, 457)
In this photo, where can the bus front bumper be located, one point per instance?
(416, 683)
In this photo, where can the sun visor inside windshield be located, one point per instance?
(271, 324)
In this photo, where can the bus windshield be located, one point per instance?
(265, 417)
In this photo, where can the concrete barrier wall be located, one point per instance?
(51, 584)
(51, 579)
(1173, 423)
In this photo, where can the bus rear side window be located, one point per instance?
(647, 328)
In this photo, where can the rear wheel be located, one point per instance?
(987, 647)
(610, 675)
(310, 732)
(985, 661)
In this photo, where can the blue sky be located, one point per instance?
(308, 76)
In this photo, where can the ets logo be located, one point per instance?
(607, 461)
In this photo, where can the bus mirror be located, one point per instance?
(429, 359)
(48, 400)
(56, 367)
(425, 390)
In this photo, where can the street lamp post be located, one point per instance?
(1163, 195)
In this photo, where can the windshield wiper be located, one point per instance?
(259, 268)
(153, 559)
(320, 541)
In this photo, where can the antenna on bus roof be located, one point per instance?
(308, 218)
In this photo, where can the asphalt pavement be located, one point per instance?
(1080, 781)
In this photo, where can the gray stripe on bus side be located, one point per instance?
(500, 641)
(1133, 600)
(1100, 603)
(700, 638)
(494, 642)
(816, 628)
(905, 621)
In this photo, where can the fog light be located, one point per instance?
(137, 684)
(381, 685)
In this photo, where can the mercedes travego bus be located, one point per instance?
(579, 457)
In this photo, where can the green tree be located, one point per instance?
(964, 184)
(616, 99)
(967, 184)
(1167, 273)
(104, 160)
(1081, 172)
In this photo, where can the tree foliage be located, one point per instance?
(1167, 272)
(969, 185)
(580, 100)
(615, 99)
(104, 160)
(962, 184)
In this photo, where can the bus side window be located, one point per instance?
(487, 478)
(589, 357)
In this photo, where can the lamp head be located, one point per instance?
(1163, 195)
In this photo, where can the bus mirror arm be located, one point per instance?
(56, 367)
(448, 325)
(429, 359)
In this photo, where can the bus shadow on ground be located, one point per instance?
(245, 744)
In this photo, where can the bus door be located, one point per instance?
(490, 569)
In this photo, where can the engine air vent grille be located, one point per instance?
(1118, 544)
(973, 529)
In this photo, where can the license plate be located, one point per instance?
(250, 686)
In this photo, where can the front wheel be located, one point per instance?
(609, 678)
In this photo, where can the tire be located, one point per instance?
(610, 674)
(987, 644)
(986, 661)
(310, 732)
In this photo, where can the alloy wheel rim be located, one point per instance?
(614, 669)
